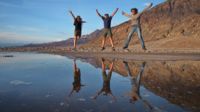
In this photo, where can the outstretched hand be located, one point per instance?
(69, 11)
(72, 14)
(98, 13)
(150, 5)
(123, 12)
(113, 14)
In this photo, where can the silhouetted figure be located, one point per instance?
(77, 79)
(78, 28)
(106, 81)
(107, 27)
(135, 92)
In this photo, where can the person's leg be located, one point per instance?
(110, 71)
(111, 37)
(103, 65)
(103, 69)
(138, 78)
(75, 40)
(111, 41)
(104, 39)
(103, 43)
(140, 37)
(127, 68)
(134, 28)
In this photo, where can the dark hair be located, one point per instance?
(135, 9)
(76, 20)
(78, 17)
(106, 14)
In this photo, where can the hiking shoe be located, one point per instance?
(102, 48)
(73, 49)
(102, 59)
(126, 50)
(144, 48)
(113, 49)
(125, 47)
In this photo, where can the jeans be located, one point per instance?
(134, 29)
(136, 80)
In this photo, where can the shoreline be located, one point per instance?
(123, 55)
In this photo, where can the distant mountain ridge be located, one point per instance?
(69, 42)
(172, 26)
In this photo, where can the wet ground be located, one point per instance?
(32, 82)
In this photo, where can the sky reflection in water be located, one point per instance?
(43, 82)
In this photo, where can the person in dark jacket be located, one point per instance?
(78, 28)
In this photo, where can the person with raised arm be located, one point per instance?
(78, 28)
(135, 91)
(107, 28)
(135, 24)
(77, 79)
(106, 90)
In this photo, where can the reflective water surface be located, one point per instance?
(31, 82)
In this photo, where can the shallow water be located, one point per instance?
(31, 82)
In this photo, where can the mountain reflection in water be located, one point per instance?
(57, 83)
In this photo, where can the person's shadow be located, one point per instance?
(135, 92)
(106, 90)
(77, 79)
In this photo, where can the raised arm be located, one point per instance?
(84, 22)
(113, 14)
(147, 8)
(125, 14)
(97, 94)
(72, 14)
(98, 13)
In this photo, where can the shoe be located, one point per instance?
(113, 48)
(144, 48)
(73, 49)
(125, 47)
(102, 48)
(126, 50)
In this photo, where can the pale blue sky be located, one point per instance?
(37, 21)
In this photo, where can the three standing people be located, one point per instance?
(107, 19)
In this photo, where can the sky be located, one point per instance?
(40, 21)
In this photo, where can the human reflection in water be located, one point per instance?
(106, 81)
(77, 79)
(135, 92)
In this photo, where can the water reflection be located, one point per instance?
(106, 90)
(135, 82)
(77, 79)
(139, 86)
(135, 89)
